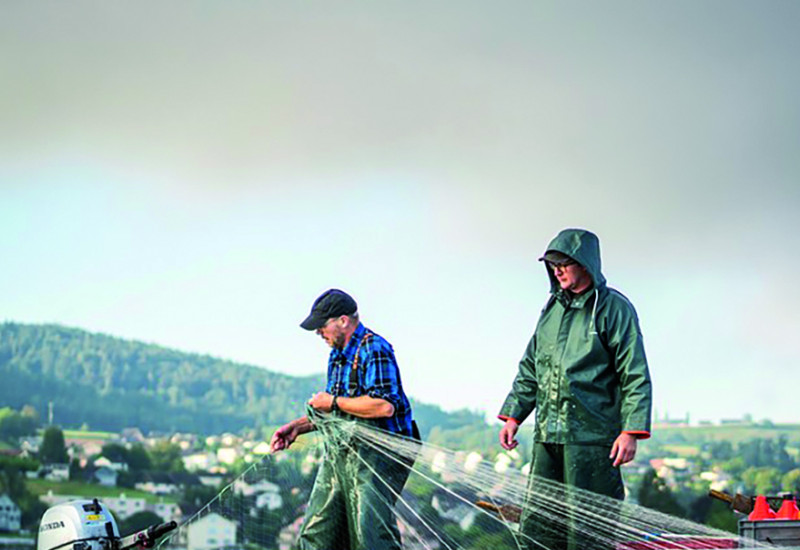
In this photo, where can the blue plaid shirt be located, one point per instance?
(378, 376)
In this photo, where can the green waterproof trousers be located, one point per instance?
(352, 502)
(582, 466)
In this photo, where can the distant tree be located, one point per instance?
(714, 513)
(785, 462)
(654, 493)
(767, 481)
(75, 469)
(126, 479)
(30, 412)
(166, 457)
(195, 497)
(264, 531)
(767, 452)
(14, 425)
(53, 450)
(32, 509)
(734, 466)
(720, 516)
(761, 481)
(115, 452)
(721, 450)
(138, 458)
(12, 482)
(790, 481)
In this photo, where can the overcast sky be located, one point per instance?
(194, 174)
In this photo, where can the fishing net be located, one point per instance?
(451, 500)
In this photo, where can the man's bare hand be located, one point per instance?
(321, 401)
(623, 450)
(283, 437)
(508, 434)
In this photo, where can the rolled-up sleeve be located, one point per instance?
(381, 375)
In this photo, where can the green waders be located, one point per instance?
(582, 466)
(352, 503)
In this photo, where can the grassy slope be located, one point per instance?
(81, 434)
(89, 490)
(734, 433)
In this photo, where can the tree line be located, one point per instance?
(756, 466)
(108, 383)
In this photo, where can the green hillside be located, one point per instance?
(108, 383)
(732, 433)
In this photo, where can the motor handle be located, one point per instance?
(146, 538)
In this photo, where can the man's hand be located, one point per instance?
(321, 401)
(623, 450)
(508, 434)
(283, 437)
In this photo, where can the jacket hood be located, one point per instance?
(582, 246)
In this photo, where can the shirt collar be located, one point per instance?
(352, 345)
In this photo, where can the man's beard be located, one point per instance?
(338, 341)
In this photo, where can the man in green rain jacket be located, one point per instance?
(585, 373)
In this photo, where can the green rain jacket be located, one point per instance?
(584, 370)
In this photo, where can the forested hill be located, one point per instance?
(109, 384)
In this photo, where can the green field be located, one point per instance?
(683, 451)
(40, 487)
(83, 434)
(737, 433)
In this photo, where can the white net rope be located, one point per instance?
(450, 501)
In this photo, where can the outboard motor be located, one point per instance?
(88, 525)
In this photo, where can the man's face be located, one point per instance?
(572, 276)
(333, 333)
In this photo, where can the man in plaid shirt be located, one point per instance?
(349, 507)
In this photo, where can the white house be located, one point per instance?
(166, 510)
(104, 462)
(124, 506)
(262, 448)
(10, 515)
(57, 472)
(159, 483)
(271, 498)
(210, 532)
(249, 489)
(719, 479)
(160, 487)
(132, 435)
(200, 461)
(30, 445)
(106, 476)
(227, 455)
(211, 480)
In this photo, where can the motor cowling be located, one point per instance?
(78, 525)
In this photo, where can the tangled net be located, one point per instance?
(451, 501)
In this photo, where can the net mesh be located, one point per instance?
(451, 500)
